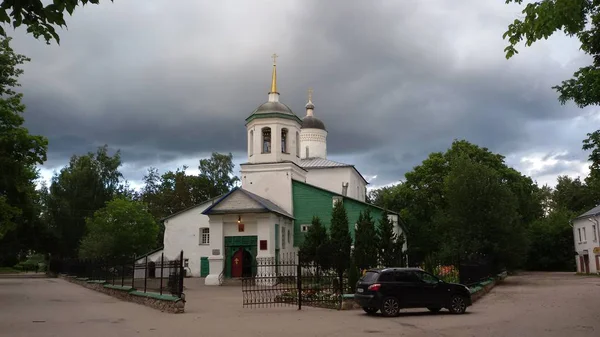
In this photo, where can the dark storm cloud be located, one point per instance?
(393, 81)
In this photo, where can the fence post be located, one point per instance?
(180, 274)
(133, 274)
(122, 274)
(145, 272)
(162, 262)
(299, 283)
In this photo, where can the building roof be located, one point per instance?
(187, 209)
(592, 212)
(150, 253)
(321, 163)
(268, 205)
(270, 107)
(311, 122)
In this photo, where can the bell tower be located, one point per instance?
(273, 149)
(273, 129)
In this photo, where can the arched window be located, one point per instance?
(284, 136)
(266, 140)
(297, 144)
(251, 142)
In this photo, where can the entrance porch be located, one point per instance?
(244, 228)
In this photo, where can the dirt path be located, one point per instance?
(534, 304)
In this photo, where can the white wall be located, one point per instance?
(182, 232)
(588, 241)
(316, 141)
(331, 179)
(272, 182)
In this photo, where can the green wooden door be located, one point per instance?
(233, 243)
(204, 267)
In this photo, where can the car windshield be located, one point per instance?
(370, 276)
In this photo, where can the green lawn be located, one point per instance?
(8, 270)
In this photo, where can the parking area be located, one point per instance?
(532, 304)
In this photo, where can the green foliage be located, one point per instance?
(217, 172)
(399, 255)
(353, 277)
(580, 18)
(316, 245)
(81, 188)
(592, 142)
(172, 192)
(386, 245)
(481, 215)
(39, 19)
(552, 242)
(365, 242)
(572, 195)
(341, 241)
(20, 152)
(426, 203)
(122, 229)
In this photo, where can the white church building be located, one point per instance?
(286, 180)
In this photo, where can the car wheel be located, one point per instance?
(458, 305)
(370, 310)
(434, 309)
(390, 307)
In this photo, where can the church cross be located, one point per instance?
(274, 56)
(310, 92)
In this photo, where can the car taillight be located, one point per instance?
(374, 287)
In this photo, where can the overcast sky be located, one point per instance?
(168, 82)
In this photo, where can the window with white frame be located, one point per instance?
(595, 234)
(289, 236)
(204, 236)
(579, 232)
(304, 228)
(584, 235)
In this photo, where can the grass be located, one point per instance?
(9, 270)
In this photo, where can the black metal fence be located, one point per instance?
(284, 281)
(163, 276)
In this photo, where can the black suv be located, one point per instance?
(391, 289)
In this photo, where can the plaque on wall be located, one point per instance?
(263, 244)
(216, 252)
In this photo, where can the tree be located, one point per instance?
(81, 188)
(422, 198)
(20, 152)
(217, 171)
(315, 247)
(551, 240)
(386, 237)
(399, 242)
(122, 229)
(365, 242)
(482, 216)
(173, 191)
(572, 195)
(580, 18)
(341, 241)
(40, 20)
